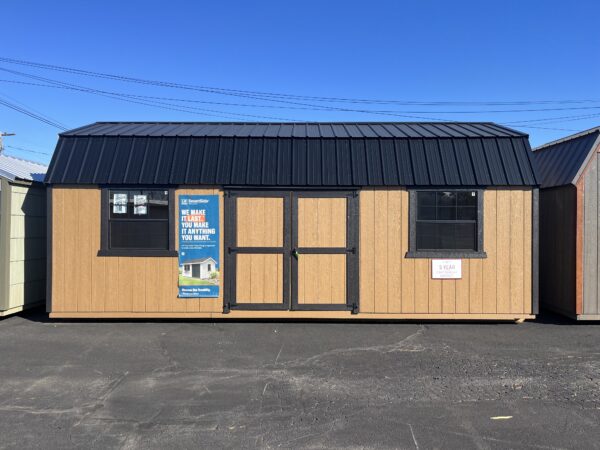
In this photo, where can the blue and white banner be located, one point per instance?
(199, 266)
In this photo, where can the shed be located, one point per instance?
(22, 234)
(568, 173)
(303, 220)
(198, 268)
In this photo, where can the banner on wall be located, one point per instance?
(199, 265)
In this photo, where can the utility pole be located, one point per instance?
(2, 134)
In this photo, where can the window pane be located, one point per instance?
(139, 234)
(467, 213)
(426, 212)
(446, 236)
(446, 213)
(446, 198)
(426, 198)
(467, 198)
(158, 204)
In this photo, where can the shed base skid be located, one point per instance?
(304, 315)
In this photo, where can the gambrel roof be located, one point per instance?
(294, 154)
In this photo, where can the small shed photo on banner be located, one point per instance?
(199, 265)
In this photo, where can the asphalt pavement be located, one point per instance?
(225, 384)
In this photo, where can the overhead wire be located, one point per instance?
(272, 95)
(154, 100)
(31, 114)
(14, 147)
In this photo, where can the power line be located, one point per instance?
(41, 114)
(14, 147)
(148, 100)
(62, 85)
(270, 96)
(311, 107)
(131, 98)
(31, 114)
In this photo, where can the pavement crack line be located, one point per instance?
(402, 345)
(412, 433)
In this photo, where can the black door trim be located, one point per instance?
(290, 237)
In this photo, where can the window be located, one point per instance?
(446, 223)
(137, 222)
(209, 267)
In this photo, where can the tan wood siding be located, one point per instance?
(85, 285)
(260, 222)
(321, 222)
(259, 278)
(322, 279)
(499, 284)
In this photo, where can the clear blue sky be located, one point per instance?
(409, 50)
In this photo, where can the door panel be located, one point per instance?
(322, 222)
(321, 279)
(324, 243)
(257, 238)
(259, 278)
(259, 222)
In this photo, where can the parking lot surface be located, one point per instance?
(202, 384)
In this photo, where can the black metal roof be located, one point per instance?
(293, 154)
(298, 130)
(561, 162)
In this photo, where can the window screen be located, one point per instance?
(447, 220)
(138, 219)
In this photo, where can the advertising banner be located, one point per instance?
(199, 265)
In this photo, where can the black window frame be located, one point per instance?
(412, 237)
(105, 249)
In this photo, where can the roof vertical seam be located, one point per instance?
(83, 161)
(143, 165)
(66, 169)
(131, 151)
(95, 176)
(160, 156)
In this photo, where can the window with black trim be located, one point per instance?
(137, 222)
(446, 223)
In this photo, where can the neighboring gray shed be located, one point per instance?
(22, 234)
(569, 227)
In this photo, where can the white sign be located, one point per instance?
(120, 204)
(446, 269)
(140, 205)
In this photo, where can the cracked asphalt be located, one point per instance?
(174, 384)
